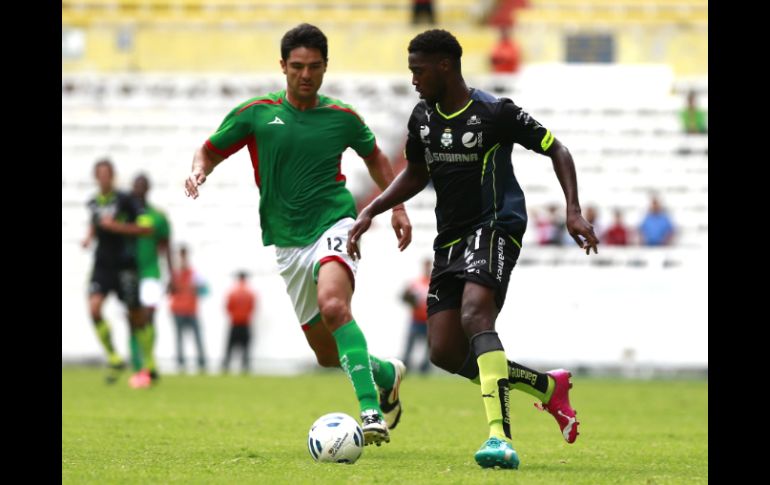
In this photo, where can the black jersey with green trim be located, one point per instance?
(468, 156)
(113, 250)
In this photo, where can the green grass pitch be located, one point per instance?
(236, 429)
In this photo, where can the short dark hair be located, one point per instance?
(104, 162)
(304, 35)
(143, 176)
(437, 41)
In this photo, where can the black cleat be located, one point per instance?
(389, 398)
(374, 427)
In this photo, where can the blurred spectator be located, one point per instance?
(416, 296)
(186, 287)
(694, 119)
(502, 13)
(549, 227)
(241, 304)
(422, 12)
(617, 234)
(656, 228)
(506, 55)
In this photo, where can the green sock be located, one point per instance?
(384, 372)
(136, 356)
(105, 337)
(354, 360)
(493, 374)
(146, 338)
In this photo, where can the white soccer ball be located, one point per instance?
(335, 438)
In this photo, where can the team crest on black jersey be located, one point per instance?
(446, 138)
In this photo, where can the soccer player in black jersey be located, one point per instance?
(113, 223)
(461, 139)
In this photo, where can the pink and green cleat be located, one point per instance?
(559, 405)
(140, 380)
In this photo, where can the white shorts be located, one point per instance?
(150, 292)
(299, 268)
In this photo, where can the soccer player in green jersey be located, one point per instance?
(295, 138)
(149, 249)
(461, 138)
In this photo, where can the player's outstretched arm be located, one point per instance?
(164, 250)
(89, 237)
(125, 228)
(203, 164)
(579, 228)
(382, 173)
(406, 185)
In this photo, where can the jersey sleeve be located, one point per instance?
(516, 126)
(414, 151)
(363, 141)
(233, 133)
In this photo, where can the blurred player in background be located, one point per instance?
(694, 119)
(462, 138)
(295, 139)
(149, 249)
(113, 217)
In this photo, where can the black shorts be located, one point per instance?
(124, 282)
(486, 257)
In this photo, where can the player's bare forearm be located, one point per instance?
(164, 248)
(564, 167)
(204, 161)
(382, 173)
(380, 169)
(89, 236)
(405, 186)
(125, 228)
(580, 229)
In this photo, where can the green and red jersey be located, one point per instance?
(296, 156)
